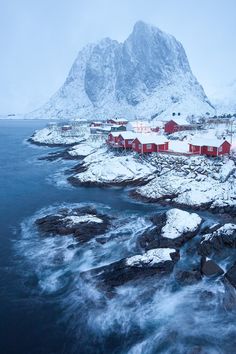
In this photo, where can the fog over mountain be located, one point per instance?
(224, 98)
(146, 76)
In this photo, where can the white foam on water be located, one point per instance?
(154, 316)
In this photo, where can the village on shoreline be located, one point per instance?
(188, 167)
(178, 162)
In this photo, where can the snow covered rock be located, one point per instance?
(56, 136)
(151, 258)
(180, 222)
(147, 75)
(84, 223)
(155, 262)
(172, 229)
(103, 168)
(221, 239)
(87, 147)
(197, 182)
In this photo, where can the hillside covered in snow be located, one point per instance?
(147, 75)
(224, 99)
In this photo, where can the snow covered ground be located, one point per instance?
(193, 181)
(56, 136)
(103, 167)
(87, 147)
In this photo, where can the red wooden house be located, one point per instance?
(209, 146)
(148, 143)
(172, 126)
(113, 139)
(125, 139)
(117, 121)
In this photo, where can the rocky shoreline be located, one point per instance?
(52, 145)
(85, 174)
(173, 236)
(226, 212)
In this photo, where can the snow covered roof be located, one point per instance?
(179, 120)
(207, 141)
(128, 135)
(150, 138)
(178, 146)
(119, 119)
(115, 134)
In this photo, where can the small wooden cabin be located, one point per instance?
(148, 143)
(117, 121)
(126, 139)
(118, 128)
(172, 126)
(209, 147)
(113, 138)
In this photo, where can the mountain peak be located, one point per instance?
(148, 74)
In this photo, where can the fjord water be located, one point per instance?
(45, 307)
(30, 321)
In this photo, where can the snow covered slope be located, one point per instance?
(224, 99)
(147, 75)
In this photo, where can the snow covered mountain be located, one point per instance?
(146, 76)
(224, 98)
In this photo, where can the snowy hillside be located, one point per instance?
(224, 99)
(147, 75)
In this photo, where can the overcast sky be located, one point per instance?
(39, 40)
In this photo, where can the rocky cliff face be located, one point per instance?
(147, 75)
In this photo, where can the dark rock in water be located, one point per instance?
(206, 295)
(197, 350)
(153, 263)
(83, 223)
(53, 156)
(188, 277)
(153, 238)
(231, 275)
(79, 168)
(219, 240)
(209, 229)
(210, 268)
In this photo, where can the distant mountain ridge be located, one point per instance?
(146, 76)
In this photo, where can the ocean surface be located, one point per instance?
(44, 305)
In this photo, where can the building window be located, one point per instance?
(139, 146)
(149, 146)
(220, 149)
(210, 148)
(133, 145)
